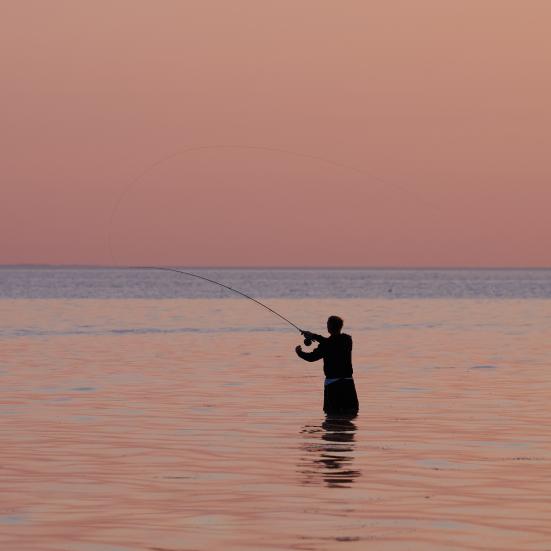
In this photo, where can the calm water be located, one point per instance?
(281, 283)
(145, 411)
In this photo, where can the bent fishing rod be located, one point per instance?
(307, 341)
(135, 181)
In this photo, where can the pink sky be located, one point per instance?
(443, 106)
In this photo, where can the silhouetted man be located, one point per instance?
(339, 395)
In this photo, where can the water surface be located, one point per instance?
(181, 423)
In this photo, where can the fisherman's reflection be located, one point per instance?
(329, 453)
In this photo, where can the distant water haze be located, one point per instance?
(116, 283)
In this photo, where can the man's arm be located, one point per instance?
(315, 355)
(314, 336)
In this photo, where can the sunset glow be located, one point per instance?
(414, 133)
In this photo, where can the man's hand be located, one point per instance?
(308, 335)
(298, 349)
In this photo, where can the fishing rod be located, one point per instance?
(307, 341)
(137, 180)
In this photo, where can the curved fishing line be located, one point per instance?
(136, 180)
(289, 152)
(216, 283)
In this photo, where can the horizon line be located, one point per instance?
(268, 267)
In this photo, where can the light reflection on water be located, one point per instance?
(156, 440)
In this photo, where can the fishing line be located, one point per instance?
(135, 181)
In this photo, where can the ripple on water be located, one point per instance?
(142, 455)
(13, 519)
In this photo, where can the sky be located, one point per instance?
(276, 133)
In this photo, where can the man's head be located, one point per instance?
(334, 325)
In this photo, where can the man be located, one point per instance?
(339, 394)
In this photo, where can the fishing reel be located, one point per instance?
(307, 338)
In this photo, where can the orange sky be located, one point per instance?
(444, 104)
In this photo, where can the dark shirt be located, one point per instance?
(336, 352)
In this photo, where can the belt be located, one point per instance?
(329, 381)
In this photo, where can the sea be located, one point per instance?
(142, 409)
